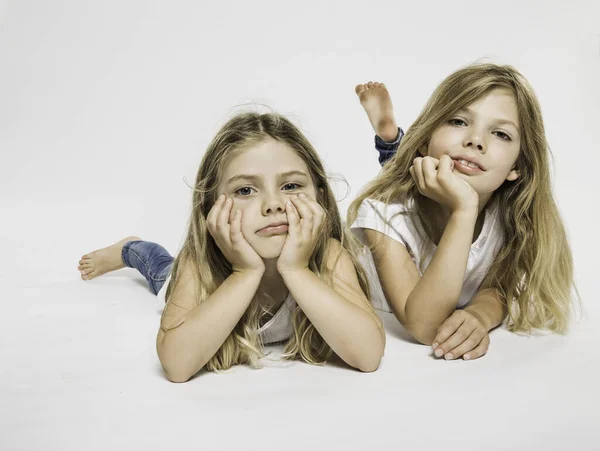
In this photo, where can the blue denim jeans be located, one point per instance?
(152, 260)
(387, 149)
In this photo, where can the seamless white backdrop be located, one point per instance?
(105, 109)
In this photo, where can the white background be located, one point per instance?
(105, 109)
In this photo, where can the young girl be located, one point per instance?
(265, 260)
(463, 215)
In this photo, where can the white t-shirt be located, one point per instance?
(373, 215)
(278, 328)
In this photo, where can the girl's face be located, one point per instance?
(485, 133)
(260, 179)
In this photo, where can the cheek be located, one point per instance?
(438, 144)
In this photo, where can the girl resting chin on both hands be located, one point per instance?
(265, 260)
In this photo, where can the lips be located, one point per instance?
(465, 168)
(468, 161)
(277, 228)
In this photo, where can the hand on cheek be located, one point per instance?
(225, 226)
(305, 219)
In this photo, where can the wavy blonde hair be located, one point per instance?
(533, 271)
(211, 268)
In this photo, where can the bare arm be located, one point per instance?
(191, 334)
(422, 303)
(465, 333)
(489, 307)
(342, 315)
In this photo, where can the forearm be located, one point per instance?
(355, 334)
(489, 307)
(185, 349)
(435, 296)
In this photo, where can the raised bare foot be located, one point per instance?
(103, 260)
(375, 99)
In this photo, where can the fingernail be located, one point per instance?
(448, 356)
(302, 195)
(439, 353)
(435, 345)
(466, 357)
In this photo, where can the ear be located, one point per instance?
(513, 175)
(423, 150)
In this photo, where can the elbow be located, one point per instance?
(368, 366)
(178, 373)
(425, 335)
(175, 367)
(365, 365)
(422, 331)
(177, 377)
(370, 362)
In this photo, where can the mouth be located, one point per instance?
(274, 229)
(466, 167)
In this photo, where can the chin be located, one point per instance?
(269, 251)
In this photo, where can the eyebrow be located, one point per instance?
(257, 177)
(497, 120)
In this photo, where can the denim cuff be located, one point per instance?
(387, 149)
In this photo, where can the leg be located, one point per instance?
(103, 260)
(375, 99)
(152, 260)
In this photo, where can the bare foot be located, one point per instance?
(103, 260)
(375, 99)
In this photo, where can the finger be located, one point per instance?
(293, 219)
(225, 214)
(418, 172)
(469, 344)
(223, 227)
(480, 350)
(317, 211)
(306, 215)
(413, 174)
(213, 214)
(455, 340)
(446, 165)
(447, 329)
(429, 167)
(235, 230)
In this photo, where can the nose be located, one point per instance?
(273, 203)
(475, 141)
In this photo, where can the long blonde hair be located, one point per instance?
(533, 271)
(211, 268)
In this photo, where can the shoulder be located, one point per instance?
(394, 220)
(182, 297)
(371, 207)
(338, 259)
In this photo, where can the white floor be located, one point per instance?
(105, 109)
(79, 371)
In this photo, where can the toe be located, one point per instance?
(359, 89)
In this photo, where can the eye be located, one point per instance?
(244, 191)
(291, 186)
(503, 136)
(457, 122)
